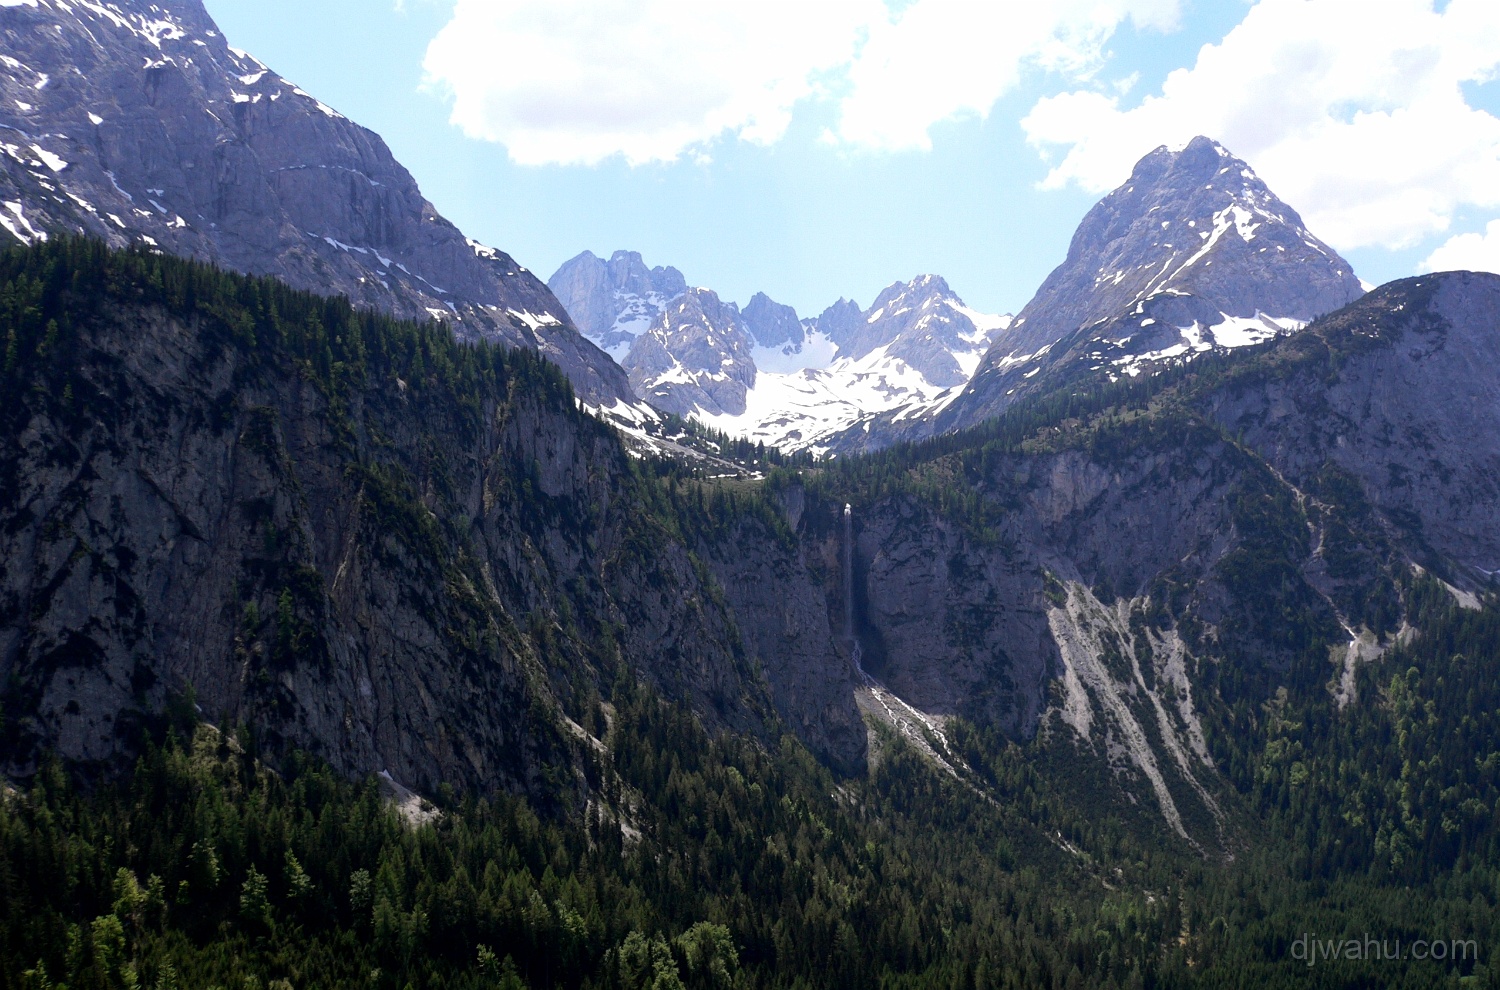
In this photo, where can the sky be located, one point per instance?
(820, 149)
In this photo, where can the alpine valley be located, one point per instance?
(375, 615)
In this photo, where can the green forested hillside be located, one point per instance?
(666, 838)
(740, 866)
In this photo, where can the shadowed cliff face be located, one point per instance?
(396, 571)
(354, 536)
(1411, 409)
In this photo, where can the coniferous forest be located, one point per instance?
(671, 849)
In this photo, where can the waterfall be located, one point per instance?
(849, 573)
(855, 653)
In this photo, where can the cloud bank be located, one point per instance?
(1359, 113)
(579, 81)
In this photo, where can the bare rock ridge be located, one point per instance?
(924, 324)
(839, 321)
(137, 123)
(1192, 253)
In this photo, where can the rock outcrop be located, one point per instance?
(771, 323)
(697, 357)
(926, 326)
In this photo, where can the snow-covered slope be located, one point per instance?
(915, 347)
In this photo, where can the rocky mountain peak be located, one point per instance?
(839, 321)
(1193, 252)
(1197, 222)
(924, 323)
(697, 356)
(614, 301)
(138, 124)
(771, 323)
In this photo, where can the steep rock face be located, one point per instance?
(391, 573)
(613, 302)
(771, 323)
(1100, 596)
(839, 321)
(956, 622)
(1268, 515)
(136, 123)
(697, 357)
(781, 610)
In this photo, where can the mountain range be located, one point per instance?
(1193, 254)
(762, 372)
(342, 643)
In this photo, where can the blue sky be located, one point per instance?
(757, 148)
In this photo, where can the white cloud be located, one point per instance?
(577, 81)
(1352, 111)
(1468, 252)
(946, 59)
